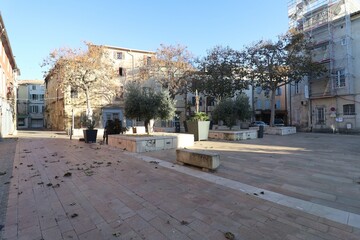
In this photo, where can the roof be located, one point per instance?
(34, 82)
(5, 39)
(129, 49)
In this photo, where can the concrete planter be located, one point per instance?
(200, 129)
(233, 135)
(142, 143)
(280, 130)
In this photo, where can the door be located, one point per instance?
(37, 123)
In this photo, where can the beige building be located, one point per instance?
(8, 75)
(260, 101)
(61, 104)
(30, 104)
(330, 102)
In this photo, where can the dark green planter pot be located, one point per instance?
(200, 129)
(90, 135)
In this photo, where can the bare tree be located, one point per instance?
(274, 64)
(169, 68)
(89, 70)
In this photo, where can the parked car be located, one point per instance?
(279, 122)
(257, 124)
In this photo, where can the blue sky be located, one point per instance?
(37, 27)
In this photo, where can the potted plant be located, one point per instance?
(90, 133)
(199, 125)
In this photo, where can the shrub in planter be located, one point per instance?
(90, 133)
(199, 125)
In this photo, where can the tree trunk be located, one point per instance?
(146, 123)
(272, 107)
(89, 112)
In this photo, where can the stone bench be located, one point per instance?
(199, 158)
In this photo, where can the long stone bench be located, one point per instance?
(199, 158)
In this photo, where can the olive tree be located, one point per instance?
(147, 104)
(229, 110)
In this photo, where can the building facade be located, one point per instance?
(30, 104)
(8, 75)
(260, 103)
(330, 103)
(64, 104)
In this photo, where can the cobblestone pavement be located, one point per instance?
(7, 153)
(319, 168)
(66, 189)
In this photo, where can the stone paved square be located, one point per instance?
(114, 194)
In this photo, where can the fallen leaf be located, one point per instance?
(229, 235)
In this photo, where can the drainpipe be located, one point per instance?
(132, 64)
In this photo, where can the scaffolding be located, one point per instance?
(327, 24)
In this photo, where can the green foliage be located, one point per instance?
(199, 116)
(273, 64)
(220, 73)
(148, 104)
(88, 123)
(229, 110)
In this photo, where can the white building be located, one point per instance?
(331, 102)
(31, 104)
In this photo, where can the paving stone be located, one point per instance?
(132, 199)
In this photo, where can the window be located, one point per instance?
(33, 87)
(122, 71)
(116, 116)
(258, 90)
(21, 122)
(267, 104)
(278, 104)
(119, 55)
(343, 41)
(119, 93)
(278, 91)
(349, 109)
(340, 78)
(320, 115)
(296, 87)
(41, 97)
(73, 93)
(34, 97)
(34, 109)
(258, 104)
(148, 60)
